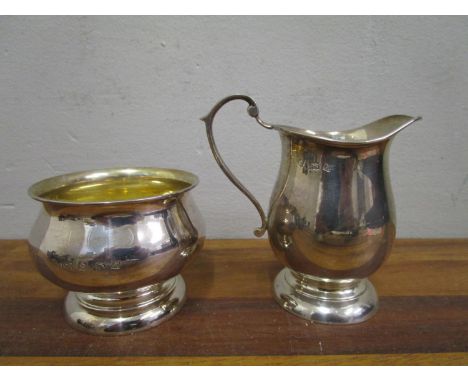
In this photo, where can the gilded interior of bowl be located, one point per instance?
(113, 185)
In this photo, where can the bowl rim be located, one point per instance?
(36, 190)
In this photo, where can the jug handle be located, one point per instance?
(252, 110)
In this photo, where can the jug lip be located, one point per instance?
(375, 132)
(37, 190)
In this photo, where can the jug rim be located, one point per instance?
(372, 133)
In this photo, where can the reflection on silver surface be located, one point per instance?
(331, 215)
(331, 301)
(123, 312)
(121, 260)
(333, 208)
(133, 248)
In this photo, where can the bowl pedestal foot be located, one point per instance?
(126, 311)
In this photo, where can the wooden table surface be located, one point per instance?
(230, 316)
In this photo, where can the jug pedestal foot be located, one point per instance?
(125, 312)
(327, 301)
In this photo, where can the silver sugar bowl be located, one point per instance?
(117, 240)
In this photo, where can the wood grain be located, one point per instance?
(231, 318)
(432, 359)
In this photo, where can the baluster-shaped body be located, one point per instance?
(331, 212)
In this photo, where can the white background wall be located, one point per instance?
(90, 92)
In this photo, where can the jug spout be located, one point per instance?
(377, 131)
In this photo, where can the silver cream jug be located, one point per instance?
(331, 219)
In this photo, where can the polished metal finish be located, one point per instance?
(332, 301)
(119, 259)
(331, 220)
(123, 312)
